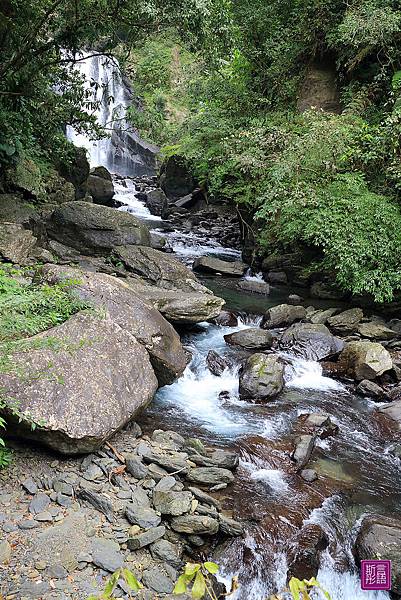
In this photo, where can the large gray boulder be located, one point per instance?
(312, 342)
(209, 264)
(81, 382)
(95, 229)
(261, 378)
(282, 315)
(16, 243)
(100, 186)
(393, 412)
(131, 313)
(250, 339)
(365, 360)
(157, 203)
(159, 269)
(346, 322)
(380, 537)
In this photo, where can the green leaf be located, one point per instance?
(131, 580)
(396, 80)
(199, 587)
(211, 567)
(191, 569)
(111, 584)
(294, 588)
(181, 585)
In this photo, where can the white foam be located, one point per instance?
(308, 375)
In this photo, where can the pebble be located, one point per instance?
(28, 524)
(44, 516)
(39, 503)
(9, 527)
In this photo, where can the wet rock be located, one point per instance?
(216, 363)
(365, 360)
(304, 446)
(282, 315)
(167, 552)
(209, 264)
(210, 476)
(294, 299)
(98, 501)
(305, 552)
(375, 330)
(95, 229)
(198, 524)
(261, 378)
(5, 552)
(308, 475)
(143, 516)
(310, 341)
(250, 339)
(106, 554)
(95, 402)
(16, 243)
(346, 322)
(157, 203)
(145, 539)
(254, 287)
(135, 466)
(393, 412)
(226, 319)
(380, 537)
(100, 186)
(39, 503)
(172, 503)
(370, 389)
(230, 526)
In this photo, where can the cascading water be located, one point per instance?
(122, 151)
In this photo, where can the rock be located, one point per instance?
(131, 313)
(204, 497)
(168, 439)
(95, 229)
(39, 503)
(157, 203)
(198, 524)
(218, 458)
(209, 264)
(312, 342)
(98, 501)
(30, 486)
(171, 461)
(145, 539)
(250, 339)
(143, 516)
(172, 503)
(304, 446)
(44, 517)
(76, 171)
(277, 277)
(57, 572)
(226, 319)
(305, 552)
(320, 317)
(106, 554)
(194, 201)
(255, 287)
(135, 466)
(216, 363)
(100, 186)
(230, 527)
(179, 308)
(167, 552)
(393, 412)
(261, 378)
(16, 243)
(166, 484)
(346, 322)
(158, 269)
(294, 299)
(365, 360)
(326, 291)
(5, 552)
(308, 475)
(370, 389)
(282, 315)
(210, 476)
(374, 330)
(96, 402)
(175, 178)
(159, 581)
(380, 537)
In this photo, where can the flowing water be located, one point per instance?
(357, 474)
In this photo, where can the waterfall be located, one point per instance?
(121, 151)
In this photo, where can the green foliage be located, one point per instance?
(195, 579)
(121, 574)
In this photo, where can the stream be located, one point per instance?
(357, 473)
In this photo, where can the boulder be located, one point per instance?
(95, 229)
(304, 446)
(250, 339)
(175, 178)
(305, 551)
(159, 269)
(277, 277)
(60, 381)
(393, 412)
(312, 342)
(209, 264)
(157, 203)
(319, 317)
(131, 313)
(380, 537)
(216, 363)
(365, 360)
(226, 319)
(282, 315)
(346, 322)
(76, 171)
(294, 299)
(181, 309)
(14, 209)
(16, 243)
(375, 330)
(325, 291)
(194, 201)
(100, 186)
(261, 378)
(370, 389)
(255, 287)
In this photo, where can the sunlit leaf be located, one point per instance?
(181, 585)
(199, 587)
(211, 567)
(131, 580)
